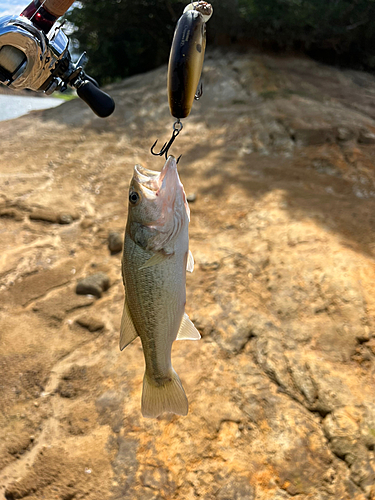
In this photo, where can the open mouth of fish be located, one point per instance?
(147, 178)
(151, 179)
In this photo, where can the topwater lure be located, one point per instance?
(185, 65)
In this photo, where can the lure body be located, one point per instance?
(186, 58)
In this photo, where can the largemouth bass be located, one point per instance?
(155, 259)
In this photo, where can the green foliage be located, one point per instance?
(124, 37)
(340, 30)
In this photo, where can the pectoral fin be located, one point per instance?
(187, 330)
(158, 258)
(127, 332)
(190, 262)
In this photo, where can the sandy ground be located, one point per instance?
(279, 155)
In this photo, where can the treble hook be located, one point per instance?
(177, 127)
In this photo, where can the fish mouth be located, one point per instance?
(162, 193)
(146, 178)
(152, 180)
(171, 187)
(169, 166)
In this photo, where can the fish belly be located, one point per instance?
(156, 299)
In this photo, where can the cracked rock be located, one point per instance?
(366, 137)
(53, 216)
(236, 489)
(345, 134)
(363, 474)
(343, 429)
(11, 213)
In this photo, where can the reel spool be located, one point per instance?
(11, 58)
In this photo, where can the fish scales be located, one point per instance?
(157, 285)
(156, 256)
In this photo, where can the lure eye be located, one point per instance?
(134, 198)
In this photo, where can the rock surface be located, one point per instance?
(48, 215)
(280, 155)
(91, 323)
(115, 241)
(95, 285)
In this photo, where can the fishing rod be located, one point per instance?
(185, 66)
(34, 55)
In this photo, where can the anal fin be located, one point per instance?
(127, 331)
(187, 330)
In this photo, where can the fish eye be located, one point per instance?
(134, 198)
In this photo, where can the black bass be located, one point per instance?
(186, 57)
(155, 259)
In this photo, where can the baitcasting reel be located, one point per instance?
(39, 60)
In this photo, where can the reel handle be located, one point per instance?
(100, 102)
(54, 68)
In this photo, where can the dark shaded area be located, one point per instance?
(126, 37)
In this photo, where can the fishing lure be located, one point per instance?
(185, 65)
(186, 58)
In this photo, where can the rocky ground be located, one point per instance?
(278, 156)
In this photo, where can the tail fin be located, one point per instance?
(170, 397)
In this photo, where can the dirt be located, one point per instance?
(278, 156)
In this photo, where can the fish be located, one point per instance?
(186, 57)
(155, 259)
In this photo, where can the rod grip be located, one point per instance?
(101, 103)
(57, 7)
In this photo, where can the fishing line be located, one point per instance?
(38, 9)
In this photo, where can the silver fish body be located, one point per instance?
(155, 258)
